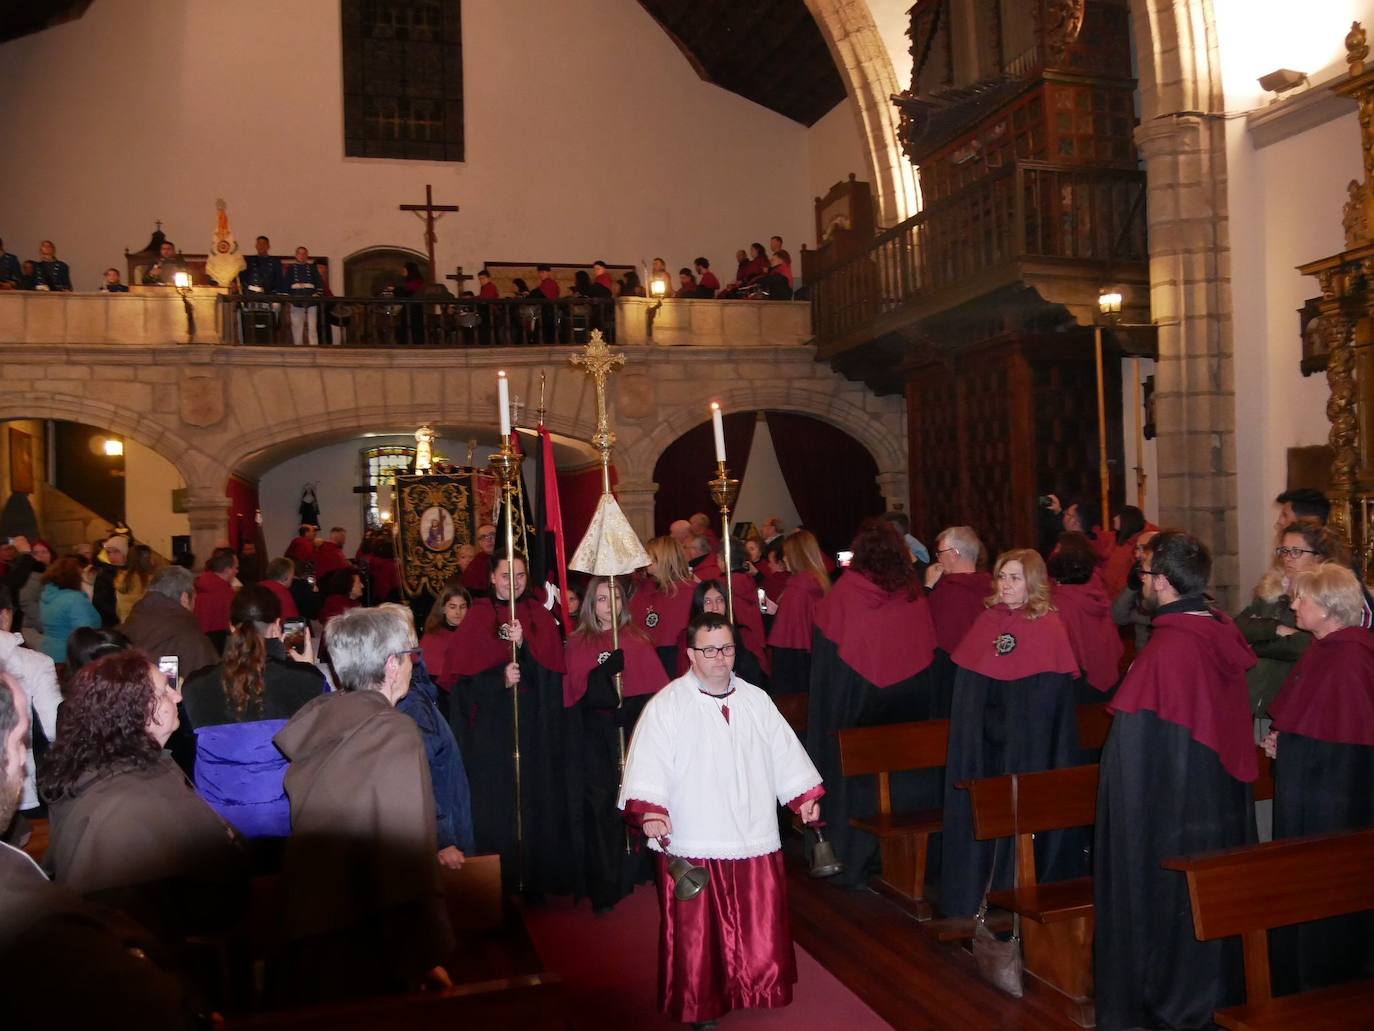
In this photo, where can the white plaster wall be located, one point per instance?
(149, 480)
(588, 135)
(1285, 202)
(834, 150)
(892, 18)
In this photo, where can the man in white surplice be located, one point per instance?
(710, 761)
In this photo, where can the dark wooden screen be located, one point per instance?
(403, 79)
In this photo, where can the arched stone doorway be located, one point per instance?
(829, 476)
(368, 271)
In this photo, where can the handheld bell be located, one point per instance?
(688, 881)
(823, 860)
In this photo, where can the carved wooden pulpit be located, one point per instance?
(1345, 324)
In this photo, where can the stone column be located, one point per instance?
(207, 510)
(636, 499)
(893, 486)
(1190, 299)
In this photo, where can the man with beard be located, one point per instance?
(48, 935)
(1175, 781)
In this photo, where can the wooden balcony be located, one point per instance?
(1029, 235)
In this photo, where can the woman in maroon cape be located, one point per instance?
(874, 642)
(1013, 713)
(1323, 747)
(662, 603)
(751, 660)
(957, 591)
(481, 677)
(593, 661)
(1174, 781)
(1086, 610)
(789, 639)
(450, 609)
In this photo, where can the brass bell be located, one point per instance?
(823, 860)
(688, 881)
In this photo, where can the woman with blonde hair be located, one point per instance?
(593, 660)
(795, 621)
(662, 603)
(1013, 713)
(132, 582)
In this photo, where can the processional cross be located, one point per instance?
(459, 277)
(430, 208)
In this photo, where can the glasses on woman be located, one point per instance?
(712, 650)
(1294, 552)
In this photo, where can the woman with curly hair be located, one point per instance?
(789, 637)
(236, 707)
(1013, 713)
(873, 644)
(125, 823)
(662, 603)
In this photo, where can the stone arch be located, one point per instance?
(889, 454)
(1182, 137)
(870, 81)
(194, 466)
(363, 266)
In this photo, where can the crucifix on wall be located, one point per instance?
(432, 213)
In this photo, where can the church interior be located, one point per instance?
(680, 307)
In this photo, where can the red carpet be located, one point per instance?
(610, 969)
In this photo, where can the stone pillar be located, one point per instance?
(893, 486)
(637, 502)
(1190, 299)
(207, 510)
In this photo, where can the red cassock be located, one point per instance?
(1086, 612)
(283, 593)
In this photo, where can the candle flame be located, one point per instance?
(714, 406)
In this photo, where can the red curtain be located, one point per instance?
(831, 476)
(244, 528)
(689, 462)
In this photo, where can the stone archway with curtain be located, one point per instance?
(367, 271)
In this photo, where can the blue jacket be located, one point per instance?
(452, 798)
(63, 611)
(239, 772)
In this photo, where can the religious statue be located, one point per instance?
(225, 262)
(424, 449)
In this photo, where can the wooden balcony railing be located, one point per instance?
(986, 236)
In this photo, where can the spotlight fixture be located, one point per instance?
(1281, 81)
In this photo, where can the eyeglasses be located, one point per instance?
(941, 551)
(711, 650)
(1150, 572)
(486, 536)
(412, 653)
(1294, 552)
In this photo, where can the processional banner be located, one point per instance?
(435, 516)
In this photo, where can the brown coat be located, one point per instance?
(160, 626)
(142, 839)
(63, 964)
(363, 893)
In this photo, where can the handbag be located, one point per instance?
(999, 962)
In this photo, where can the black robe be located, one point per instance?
(551, 789)
(999, 727)
(791, 670)
(841, 698)
(1321, 787)
(1161, 794)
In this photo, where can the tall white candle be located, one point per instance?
(503, 402)
(719, 427)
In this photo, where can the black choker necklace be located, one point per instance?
(724, 708)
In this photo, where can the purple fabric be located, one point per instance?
(239, 772)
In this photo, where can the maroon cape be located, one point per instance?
(708, 569)
(644, 673)
(1003, 644)
(477, 576)
(434, 646)
(385, 577)
(1192, 673)
(476, 646)
(884, 636)
(956, 602)
(328, 557)
(796, 616)
(301, 549)
(283, 593)
(214, 596)
(670, 612)
(1087, 614)
(1329, 695)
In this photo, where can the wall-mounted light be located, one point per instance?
(659, 288)
(385, 517)
(1281, 80)
(182, 281)
(114, 448)
(1109, 301)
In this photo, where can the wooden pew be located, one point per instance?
(1302, 879)
(1057, 918)
(903, 838)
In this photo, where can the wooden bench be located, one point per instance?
(1303, 879)
(903, 838)
(1057, 927)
